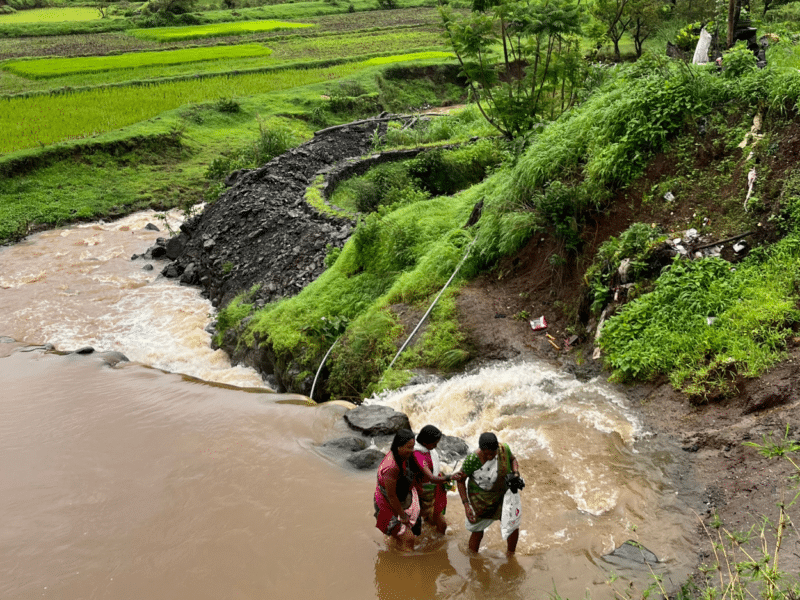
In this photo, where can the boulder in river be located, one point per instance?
(372, 420)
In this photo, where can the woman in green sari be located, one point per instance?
(483, 493)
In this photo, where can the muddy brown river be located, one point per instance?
(176, 476)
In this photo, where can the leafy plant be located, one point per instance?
(738, 61)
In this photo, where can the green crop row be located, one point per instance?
(44, 68)
(51, 15)
(172, 34)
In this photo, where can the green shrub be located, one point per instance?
(738, 61)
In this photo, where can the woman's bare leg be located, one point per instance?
(475, 540)
(440, 523)
(512, 541)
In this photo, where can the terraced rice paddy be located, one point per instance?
(58, 67)
(170, 34)
(51, 15)
(27, 122)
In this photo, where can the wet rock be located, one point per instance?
(366, 459)
(174, 247)
(189, 274)
(372, 420)
(151, 227)
(452, 449)
(631, 554)
(112, 358)
(147, 267)
(171, 271)
(348, 444)
(84, 350)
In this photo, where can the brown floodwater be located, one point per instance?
(178, 476)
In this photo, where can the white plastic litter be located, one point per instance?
(511, 515)
(539, 324)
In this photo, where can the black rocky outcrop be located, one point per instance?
(261, 234)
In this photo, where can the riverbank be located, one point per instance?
(728, 481)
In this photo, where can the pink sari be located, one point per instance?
(386, 520)
(432, 496)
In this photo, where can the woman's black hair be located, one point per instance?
(408, 468)
(429, 434)
(488, 441)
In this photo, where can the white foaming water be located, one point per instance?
(580, 430)
(78, 287)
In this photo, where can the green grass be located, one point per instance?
(59, 67)
(170, 34)
(51, 15)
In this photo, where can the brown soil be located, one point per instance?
(733, 480)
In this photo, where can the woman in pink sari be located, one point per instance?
(432, 493)
(396, 500)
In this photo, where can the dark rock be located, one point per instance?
(174, 247)
(366, 459)
(171, 271)
(112, 358)
(452, 449)
(631, 554)
(151, 227)
(84, 350)
(349, 444)
(261, 235)
(147, 267)
(374, 420)
(189, 274)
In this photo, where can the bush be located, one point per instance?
(738, 61)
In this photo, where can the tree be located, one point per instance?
(646, 16)
(518, 56)
(613, 15)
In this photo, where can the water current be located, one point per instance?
(177, 476)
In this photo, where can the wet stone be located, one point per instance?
(374, 420)
(366, 459)
(631, 554)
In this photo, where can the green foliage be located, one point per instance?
(433, 172)
(686, 39)
(232, 315)
(538, 72)
(171, 34)
(442, 172)
(635, 244)
(58, 67)
(276, 136)
(738, 61)
(228, 105)
(704, 324)
(358, 362)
